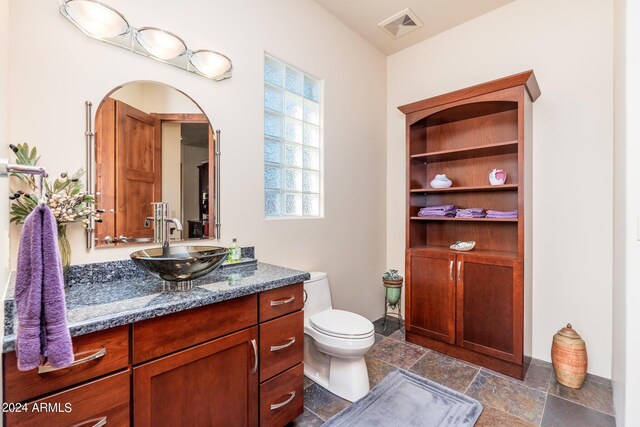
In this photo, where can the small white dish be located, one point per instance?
(463, 246)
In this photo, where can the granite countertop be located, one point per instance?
(105, 295)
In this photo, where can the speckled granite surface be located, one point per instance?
(117, 293)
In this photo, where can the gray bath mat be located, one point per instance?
(405, 399)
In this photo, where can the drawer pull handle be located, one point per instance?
(451, 270)
(101, 422)
(275, 406)
(283, 346)
(255, 357)
(459, 266)
(283, 301)
(42, 369)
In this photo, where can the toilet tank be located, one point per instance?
(318, 294)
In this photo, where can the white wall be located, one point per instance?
(56, 68)
(4, 152)
(569, 46)
(171, 177)
(618, 366)
(191, 158)
(630, 295)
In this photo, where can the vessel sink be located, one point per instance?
(180, 263)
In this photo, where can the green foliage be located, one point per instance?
(391, 275)
(64, 196)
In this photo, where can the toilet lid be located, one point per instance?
(341, 324)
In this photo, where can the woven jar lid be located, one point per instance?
(569, 332)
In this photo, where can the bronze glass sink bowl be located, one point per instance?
(180, 263)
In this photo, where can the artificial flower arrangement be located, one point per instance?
(64, 196)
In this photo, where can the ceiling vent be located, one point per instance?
(401, 23)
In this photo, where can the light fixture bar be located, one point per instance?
(104, 23)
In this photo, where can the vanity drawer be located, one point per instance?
(105, 400)
(281, 301)
(281, 344)
(96, 354)
(156, 337)
(282, 397)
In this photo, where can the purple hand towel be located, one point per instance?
(40, 301)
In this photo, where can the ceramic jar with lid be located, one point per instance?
(569, 357)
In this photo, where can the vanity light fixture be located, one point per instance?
(96, 19)
(160, 44)
(102, 22)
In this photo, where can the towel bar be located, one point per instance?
(6, 168)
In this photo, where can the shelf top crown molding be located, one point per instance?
(526, 78)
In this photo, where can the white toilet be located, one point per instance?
(335, 342)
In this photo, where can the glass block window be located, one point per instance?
(292, 151)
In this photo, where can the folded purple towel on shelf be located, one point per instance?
(438, 211)
(502, 214)
(439, 208)
(438, 214)
(40, 301)
(470, 213)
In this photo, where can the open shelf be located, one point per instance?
(468, 152)
(475, 251)
(470, 189)
(447, 218)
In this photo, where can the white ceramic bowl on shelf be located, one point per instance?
(441, 181)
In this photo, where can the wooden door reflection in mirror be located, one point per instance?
(152, 144)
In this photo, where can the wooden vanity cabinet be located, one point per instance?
(281, 355)
(234, 363)
(471, 305)
(214, 384)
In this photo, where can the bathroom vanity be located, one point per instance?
(226, 352)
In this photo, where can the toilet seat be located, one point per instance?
(342, 324)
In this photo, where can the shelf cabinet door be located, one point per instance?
(431, 295)
(212, 384)
(490, 306)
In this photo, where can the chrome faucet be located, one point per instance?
(161, 223)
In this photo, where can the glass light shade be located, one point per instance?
(209, 63)
(160, 43)
(96, 19)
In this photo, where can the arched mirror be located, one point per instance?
(153, 144)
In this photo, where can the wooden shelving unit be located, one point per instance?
(471, 305)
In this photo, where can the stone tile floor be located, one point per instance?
(539, 400)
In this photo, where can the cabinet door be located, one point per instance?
(212, 384)
(490, 304)
(101, 402)
(431, 308)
